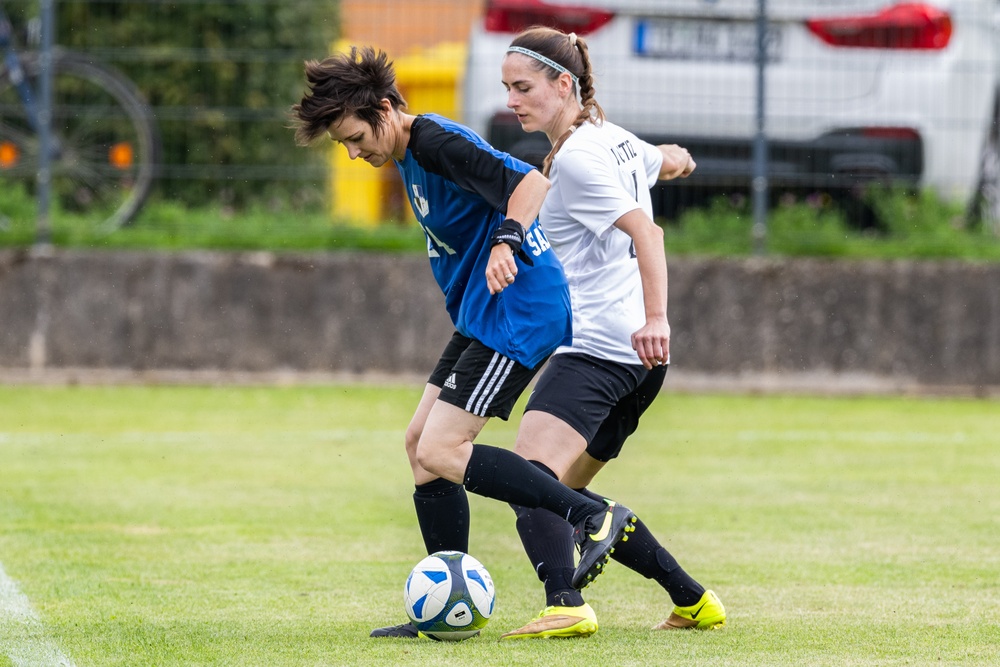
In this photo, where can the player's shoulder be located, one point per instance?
(432, 133)
(589, 143)
(615, 134)
(597, 137)
(596, 141)
(434, 127)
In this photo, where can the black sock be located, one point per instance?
(443, 514)
(548, 542)
(503, 475)
(644, 554)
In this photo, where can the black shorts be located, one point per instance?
(602, 400)
(479, 380)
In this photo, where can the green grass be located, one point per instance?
(274, 526)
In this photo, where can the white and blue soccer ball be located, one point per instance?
(449, 596)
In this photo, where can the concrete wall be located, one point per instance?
(898, 324)
(909, 323)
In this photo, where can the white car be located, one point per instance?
(856, 90)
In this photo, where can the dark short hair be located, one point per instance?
(345, 84)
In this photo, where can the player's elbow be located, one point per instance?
(537, 180)
(656, 232)
(650, 234)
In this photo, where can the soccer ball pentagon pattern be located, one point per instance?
(449, 596)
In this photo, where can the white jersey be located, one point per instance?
(601, 173)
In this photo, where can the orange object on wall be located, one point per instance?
(399, 26)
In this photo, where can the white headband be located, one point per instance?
(542, 59)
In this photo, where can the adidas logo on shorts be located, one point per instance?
(451, 382)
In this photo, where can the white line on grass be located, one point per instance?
(22, 636)
(168, 437)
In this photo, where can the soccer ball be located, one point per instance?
(449, 596)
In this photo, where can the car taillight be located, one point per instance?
(902, 26)
(516, 15)
(897, 133)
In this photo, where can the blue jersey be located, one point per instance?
(458, 186)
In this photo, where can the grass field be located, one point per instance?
(274, 527)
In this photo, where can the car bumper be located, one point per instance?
(837, 160)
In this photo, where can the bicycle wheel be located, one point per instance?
(985, 206)
(105, 142)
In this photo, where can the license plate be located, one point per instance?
(685, 39)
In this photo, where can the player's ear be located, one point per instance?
(565, 84)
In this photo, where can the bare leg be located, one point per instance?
(442, 506)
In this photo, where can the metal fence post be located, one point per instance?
(759, 231)
(43, 230)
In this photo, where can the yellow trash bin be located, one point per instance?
(429, 81)
(357, 189)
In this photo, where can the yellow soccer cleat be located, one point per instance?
(558, 622)
(707, 614)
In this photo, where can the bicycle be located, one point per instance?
(105, 140)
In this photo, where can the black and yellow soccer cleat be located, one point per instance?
(596, 536)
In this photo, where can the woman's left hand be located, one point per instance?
(501, 270)
(652, 343)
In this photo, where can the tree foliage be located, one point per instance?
(220, 76)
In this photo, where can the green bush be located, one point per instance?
(170, 225)
(913, 226)
(907, 225)
(722, 228)
(17, 214)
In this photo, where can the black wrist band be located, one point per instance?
(511, 232)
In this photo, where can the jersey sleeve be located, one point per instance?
(591, 192)
(470, 166)
(653, 159)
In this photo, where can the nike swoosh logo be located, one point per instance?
(698, 611)
(605, 529)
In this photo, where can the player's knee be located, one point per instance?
(429, 457)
